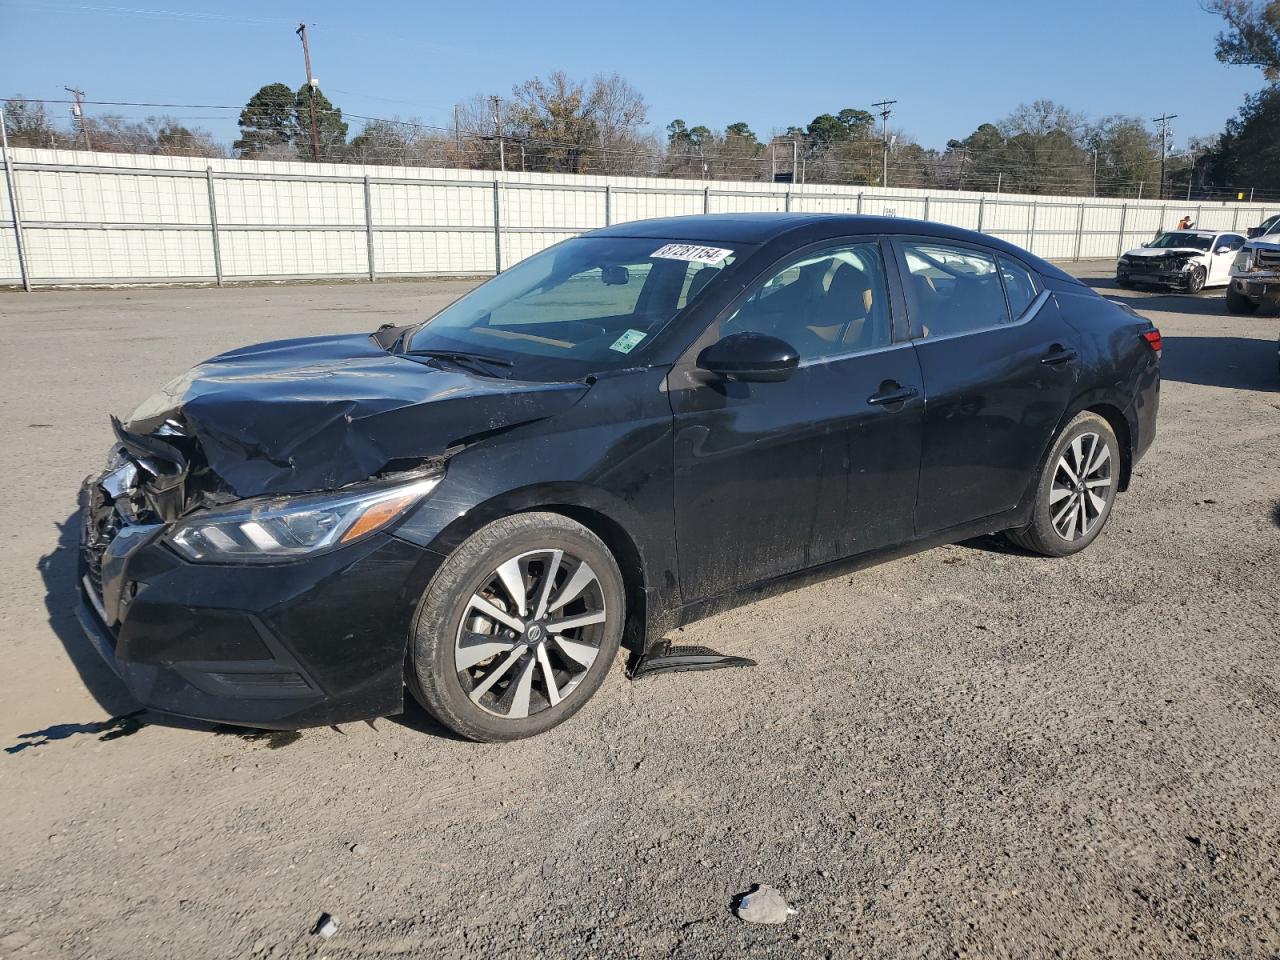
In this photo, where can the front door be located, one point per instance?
(775, 477)
(999, 369)
(1220, 263)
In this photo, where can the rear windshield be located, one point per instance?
(586, 305)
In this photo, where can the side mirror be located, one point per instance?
(1146, 243)
(1225, 248)
(615, 275)
(750, 358)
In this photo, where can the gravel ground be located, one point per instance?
(970, 752)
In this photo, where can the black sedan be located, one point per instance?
(634, 429)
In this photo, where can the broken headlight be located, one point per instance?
(291, 527)
(1243, 262)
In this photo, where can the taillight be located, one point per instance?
(1152, 337)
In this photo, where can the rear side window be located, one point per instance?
(952, 290)
(1019, 286)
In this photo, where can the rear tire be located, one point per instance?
(544, 573)
(1238, 303)
(1076, 490)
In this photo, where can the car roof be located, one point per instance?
(760, 228)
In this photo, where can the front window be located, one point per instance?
(586, 305)
(825, 303)
(1194, 241)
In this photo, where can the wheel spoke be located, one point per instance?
(581, 578)
(1077, 454)
(512, 578)
(1098, 482)
(520, 698)
(548, 676)
(487, 609)
(498, 672)
(1057, 493)
(580, 620)
(1103, 456)
(1066, 468)
(1062, 514)
(581, 653)
(1099, 503)
(475, 648)
(548, 581)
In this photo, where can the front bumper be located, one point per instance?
(1155, 276)
(315, 641)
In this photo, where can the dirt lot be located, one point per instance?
(971, 752)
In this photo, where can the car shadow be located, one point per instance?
(1243, 363)
(1211, 303)
(61, 596)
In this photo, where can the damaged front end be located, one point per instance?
(238, 559)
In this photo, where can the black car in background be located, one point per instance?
(629, 431)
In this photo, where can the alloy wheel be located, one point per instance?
(1195, 283)
(1081, 488)
(530, 633)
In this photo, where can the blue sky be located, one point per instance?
(951, 65)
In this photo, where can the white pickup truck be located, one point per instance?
(1255, 273)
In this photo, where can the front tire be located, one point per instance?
(1076, 490)
(518, 628)
(1238, 303)
(1197, 280)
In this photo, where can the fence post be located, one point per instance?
(706, 199)
(213, 226)
(1031, 241)
(926, 207)
(982, 208)
(1124, 215)
(497, 230)
(786, 202)
(1079, 232)
(859, 203)
(1235, 218)
(368, 224)
(13, 205)
(1199, 207)
(608, 205)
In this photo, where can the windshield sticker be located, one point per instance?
(627, 342)
(691, 252)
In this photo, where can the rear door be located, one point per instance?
(775, 477)
(999, 368)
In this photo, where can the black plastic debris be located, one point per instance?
(664, 658)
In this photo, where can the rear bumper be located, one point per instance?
(307, 643)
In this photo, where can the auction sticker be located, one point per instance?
(691, 252)
(627, 342)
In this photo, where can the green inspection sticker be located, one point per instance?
(627, 342)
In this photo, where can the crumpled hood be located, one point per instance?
(322, 412)
(1164, 251)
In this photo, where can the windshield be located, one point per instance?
(1193, 240)
(1270, 225)
(583, 306)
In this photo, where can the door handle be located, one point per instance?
(1058, 354)
(891, 393)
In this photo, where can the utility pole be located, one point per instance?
(1163, 120)
(77, 111)
(497, 126)
(1095, 173)
(457, 138)
(884, 106)
(311, 93)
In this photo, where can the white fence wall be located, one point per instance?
(120, 218)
